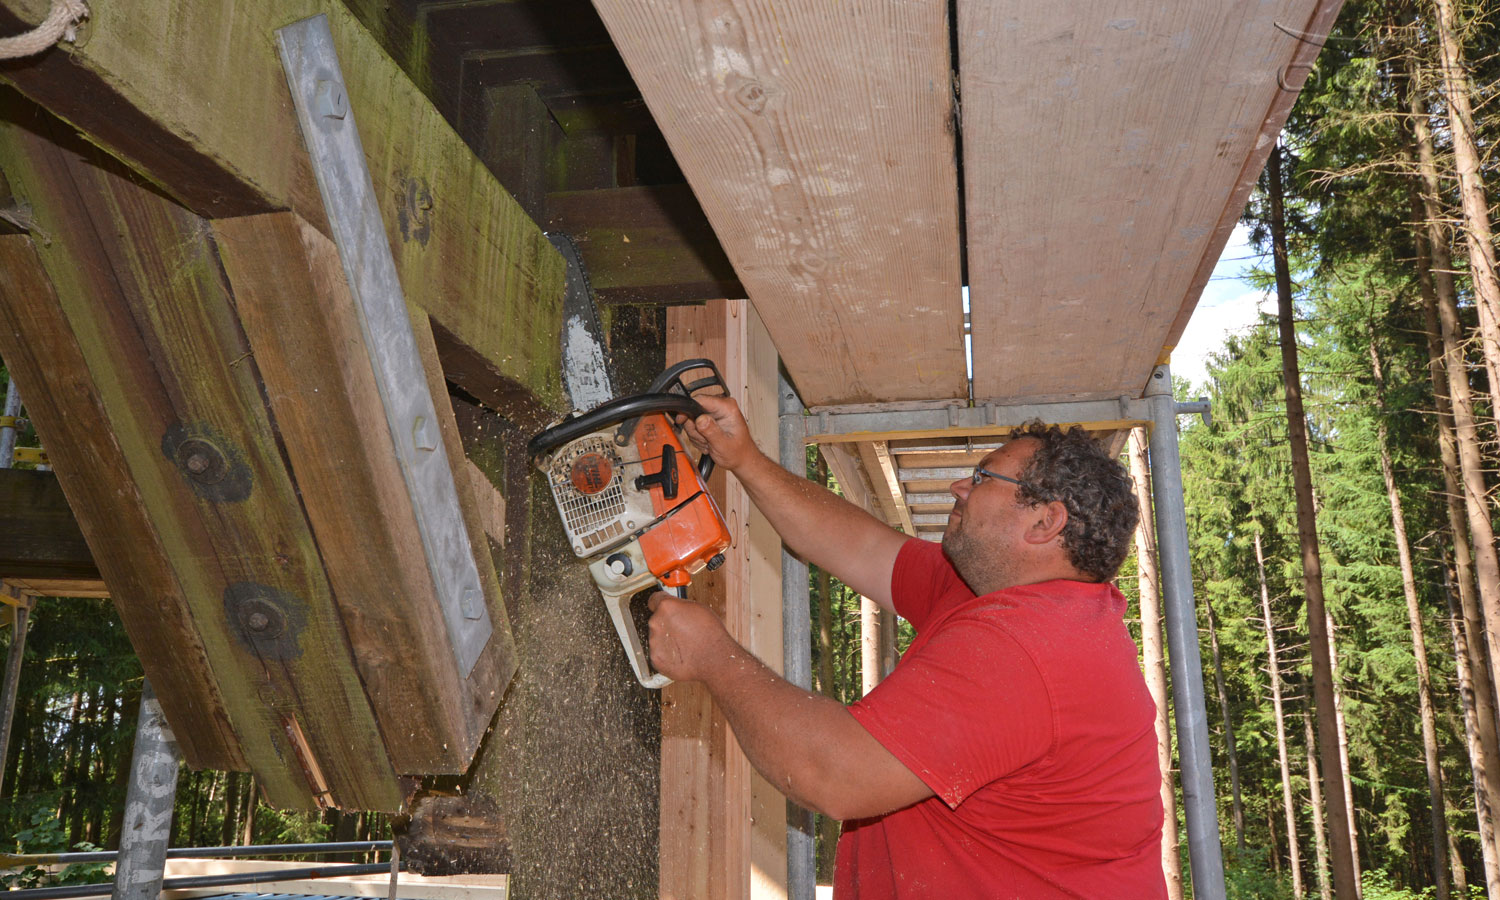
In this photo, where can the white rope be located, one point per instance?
(61, 24)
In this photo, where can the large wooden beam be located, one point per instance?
(645, 244)
(192, 96)
(295, 306)
(136, 298)
(1109, 150)
(819, 139)
(39, 538)
(723, 827)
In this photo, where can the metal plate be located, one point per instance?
(338, 159)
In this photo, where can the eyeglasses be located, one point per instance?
(981, 473)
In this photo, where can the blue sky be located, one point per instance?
(1228, 305)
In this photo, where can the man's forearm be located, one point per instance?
(808, 746)
(823, 528)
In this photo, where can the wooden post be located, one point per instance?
(723, 827)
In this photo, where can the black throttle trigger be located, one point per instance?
(666, 478)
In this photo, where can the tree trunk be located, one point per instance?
(1476, 211)
(1466, 692)
(231, 808)
(1153, 658)
(1470, 463)
(1315, 800)
(1436, 806)
(1273, 667)
(1345, 882)
(1237, 804)
(1343, 732)
(1435, 279)
(247, 828)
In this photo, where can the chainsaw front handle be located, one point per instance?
(613, 413)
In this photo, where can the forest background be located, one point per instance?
(1340, 508)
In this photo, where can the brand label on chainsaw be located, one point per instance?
(591, 473)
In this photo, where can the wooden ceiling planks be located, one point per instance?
(819, 139)
(1109, 147)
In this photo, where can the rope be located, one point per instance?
(61, 24)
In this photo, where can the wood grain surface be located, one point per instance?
(1109, 147)
(818, 138)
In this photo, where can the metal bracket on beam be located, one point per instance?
(871, 423)
(338, 160)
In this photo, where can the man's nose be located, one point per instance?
(961, 487)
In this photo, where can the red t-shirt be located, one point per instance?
(1026, 713)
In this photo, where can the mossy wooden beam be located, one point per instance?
(192, 95)
(292, 299)
(67, 406)
(142, 293)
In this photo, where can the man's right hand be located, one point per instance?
(722, 433)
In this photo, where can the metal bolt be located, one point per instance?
(258, 621)
(424, 434)
(330, 101)
(202, 461)
(470, 603)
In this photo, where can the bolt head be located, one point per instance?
(424, 434)
(330, 101)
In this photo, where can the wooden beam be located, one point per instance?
(211, 124)
(141, 294)
(844, 463)
(876, 456)
(295, 306)
(819, 138)
(53, 587)
(66, 405)
(1145, 130)
(723, 827)
(645, 244)
(39, 538)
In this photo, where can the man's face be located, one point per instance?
(984, 527)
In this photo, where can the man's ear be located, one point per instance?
(1051, 518)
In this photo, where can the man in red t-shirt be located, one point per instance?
(1012, 752)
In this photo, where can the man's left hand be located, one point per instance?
(687, 639)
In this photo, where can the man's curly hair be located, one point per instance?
(1071, 467)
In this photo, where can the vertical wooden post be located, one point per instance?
(723, 827)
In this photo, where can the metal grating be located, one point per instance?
(590, 519)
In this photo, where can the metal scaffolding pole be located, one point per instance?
(141, 864)
(8, 430)
(1188, 704)
(796, 636)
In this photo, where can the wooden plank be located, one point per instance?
(958, 457)
(295, 306)
(844, 463)
(142, 291)
(39, 538)
(457, 235)
(55, 587)
(645, 244)
(1144, 127)
(723, 827)
(65, 404)
(819, 139)
(888, 486)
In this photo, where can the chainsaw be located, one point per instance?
(635, 506)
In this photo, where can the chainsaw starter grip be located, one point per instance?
(613, 413)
